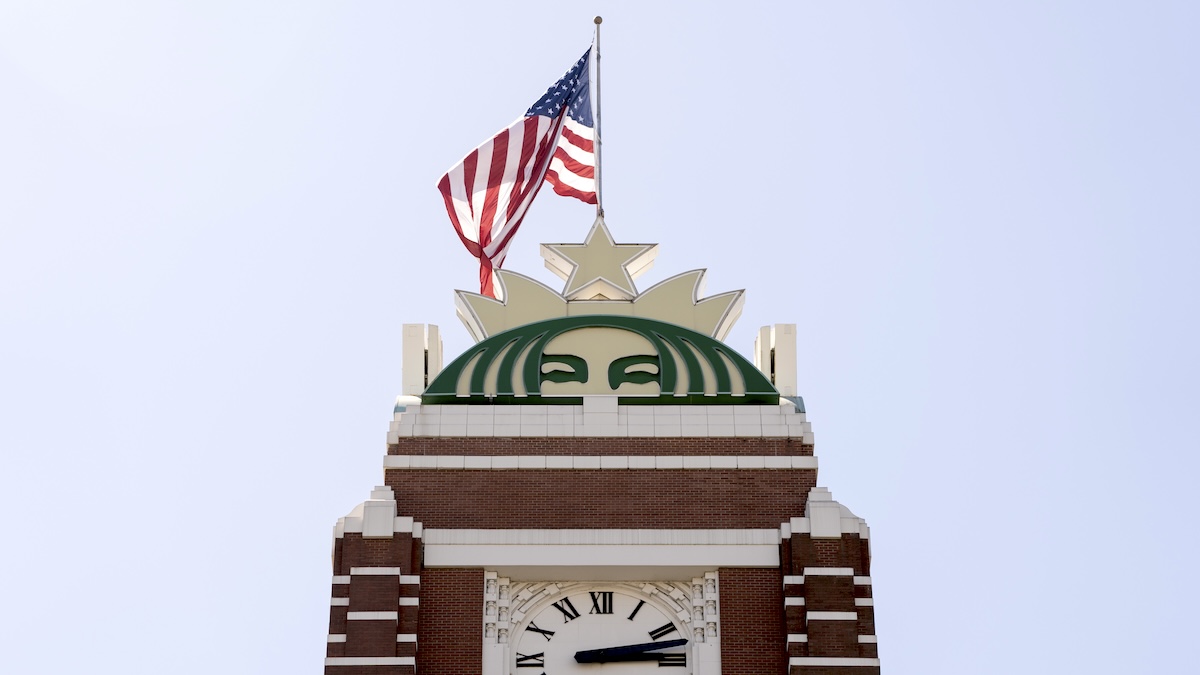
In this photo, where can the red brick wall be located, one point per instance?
(528, 445)
(849, 551)
(351, 550)
(448, 620)
(829, 638)
(752, 630)
(650, 498)
(450, 630)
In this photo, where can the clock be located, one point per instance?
(599, 629)
(623, 628)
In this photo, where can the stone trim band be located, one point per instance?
(499, 462)
(370, 661)
(832, 661)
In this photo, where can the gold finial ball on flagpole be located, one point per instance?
(598, 20)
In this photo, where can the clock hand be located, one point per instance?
(626, 652)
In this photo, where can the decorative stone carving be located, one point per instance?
(508, 605)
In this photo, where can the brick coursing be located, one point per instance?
(371, 638)
(754, 620)
(829, 593)
(633, 498)
(374, 593)
(752, 630)
(450, 630)
(352, 550)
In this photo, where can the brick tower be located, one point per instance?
(601, 485)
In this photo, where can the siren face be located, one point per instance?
(600, 361)
(562, 360)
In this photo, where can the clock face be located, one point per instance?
(601, 630)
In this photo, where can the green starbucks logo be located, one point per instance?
(641, 360)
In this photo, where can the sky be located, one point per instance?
(215, 217)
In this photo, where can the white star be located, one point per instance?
(599, 264)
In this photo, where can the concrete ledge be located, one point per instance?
(601, 420)
(833, 616)
(375, 571)
(601, 555)
(598, 462)
(371, 661)
(372, 616)
(832, 661)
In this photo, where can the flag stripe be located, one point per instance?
(576, 139)
(571, 164)
(585, 194)
(488, 193)
(528, 151)
(547, 141)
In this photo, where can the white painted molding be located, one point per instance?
(341, 579)
(600, 418)
(601, 555)
(864, 602)
(571, 537)
(828, 571)
(420, 358)
(868, 639)
(797, 637)
(379, 513)
(406, 637)
(370, 661)
(371, 518)
(792, 579)
(833, 616)
(375, 571)
(775, 356)
(597, 462)
(793, 602)
(336, 638)
(833, 661)
(409, 602)
(339, 602)
(862, 581)
(826, 519)
(372, 616)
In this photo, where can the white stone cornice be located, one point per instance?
(831, 661)
(659, 421)
(597, 462)
(370, 661)
(601, 554)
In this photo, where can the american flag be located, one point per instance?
(488, 193)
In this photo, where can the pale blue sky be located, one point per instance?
(982, 216)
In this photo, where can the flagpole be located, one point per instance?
(599, 143)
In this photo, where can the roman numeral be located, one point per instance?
(601, 602)
(531, 661)
(668, 660)
(568, 610)
(545, 633)
(662, 630)
(637, 609)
